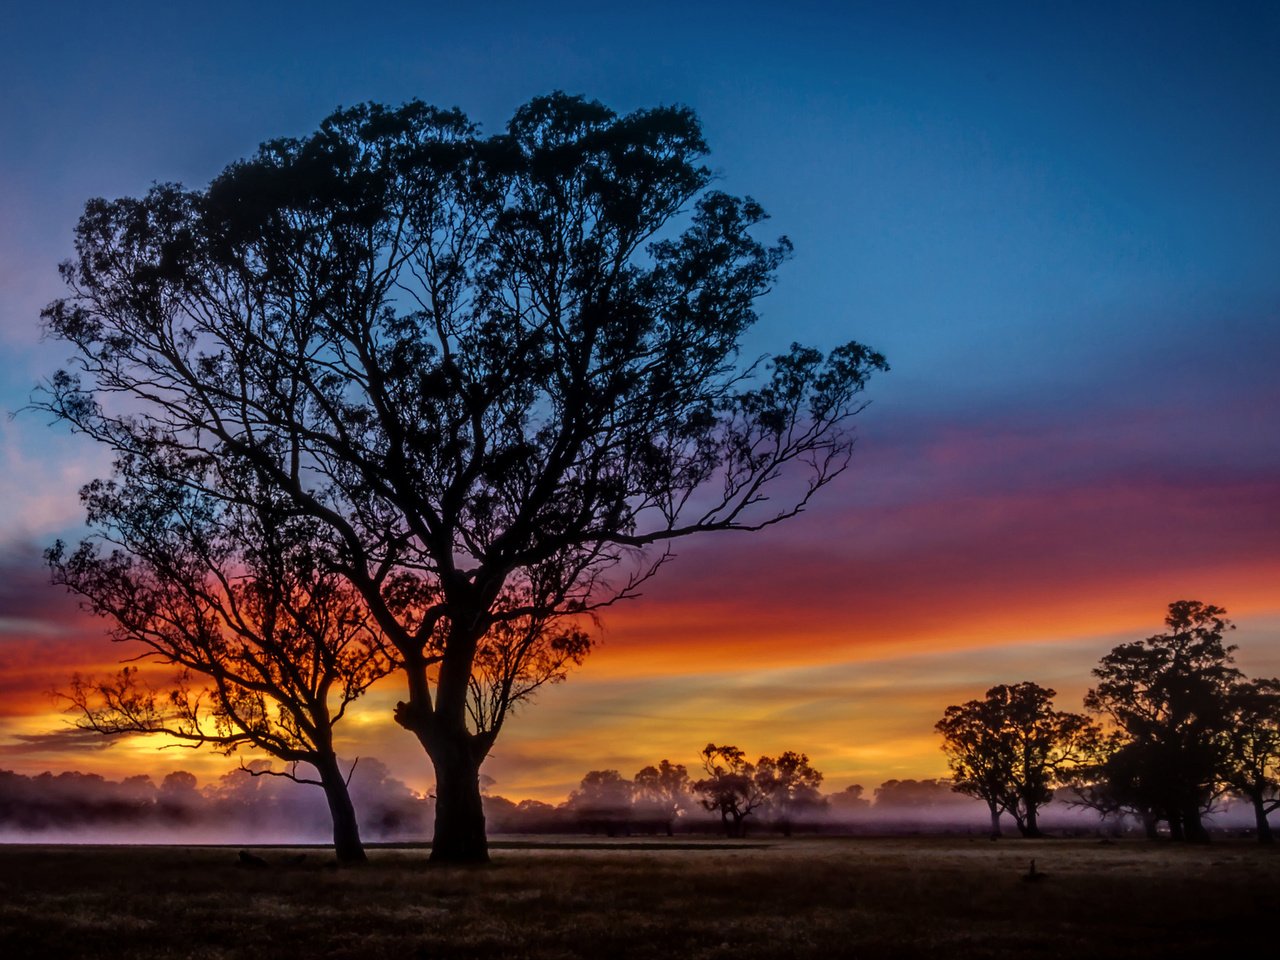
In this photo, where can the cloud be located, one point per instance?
(70, 740)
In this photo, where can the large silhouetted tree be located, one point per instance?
(1169, 698)
(1011, 749)
(492, 370)
(270, 646)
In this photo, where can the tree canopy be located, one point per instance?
(270, 648)
(1169, 699)
(1011, 748)
(488, 370)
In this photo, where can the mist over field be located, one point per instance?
(239, 808)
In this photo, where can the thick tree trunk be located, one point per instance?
(459, 830)
(1151, 825)
(1031, 828)
(1260, 815)
(347, 846)
(995, 821)
(1193, 828)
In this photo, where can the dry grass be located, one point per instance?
(804, 898)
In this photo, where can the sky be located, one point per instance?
(1059, 222)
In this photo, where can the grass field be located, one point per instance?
(929, 897)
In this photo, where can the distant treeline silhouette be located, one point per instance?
(237, 806)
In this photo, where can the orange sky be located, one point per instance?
(843, 634)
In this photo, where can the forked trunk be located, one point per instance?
(459, 831)
(346, 830)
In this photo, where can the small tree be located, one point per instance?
(603, 801)
(729, 788)
(849, 801)
(270, 649)
(491, 370)
(1253, 749)
(662, 792)
(1010, 749)
(1169, 697)
(789, 785)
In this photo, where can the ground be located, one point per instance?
(804, 898)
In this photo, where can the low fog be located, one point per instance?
(240, 808)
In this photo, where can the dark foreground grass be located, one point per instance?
(939, 898)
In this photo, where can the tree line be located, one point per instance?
(259, 807)
(246, 803)
(1174, 727)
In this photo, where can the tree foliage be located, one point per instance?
(790, 785)
(270, 647)
(730, 787)
(489, 371)
(1169, 699)
(1011, 749)
(662, 792)
(1253, 749)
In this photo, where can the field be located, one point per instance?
(819, 898)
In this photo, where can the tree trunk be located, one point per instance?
(1193, 828)
(995, 820)
(1260, 814)
(346, 830)
(1151, 825)
(1031, 828)
(459, 830)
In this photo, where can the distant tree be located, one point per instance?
(789, 786)
(387, 807)
(913, 794)
(1011, 749)
(535, 816)
(179, 796)
(1169, 698)
(849, 800)
(603, 801)
(729, 788)
(232, 592)
(490, 371)
(1253, 749)
(661, 792)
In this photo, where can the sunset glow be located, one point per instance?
(1063, 242)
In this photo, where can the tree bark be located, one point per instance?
(459, 829)
(347, 846)
(995, 820)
